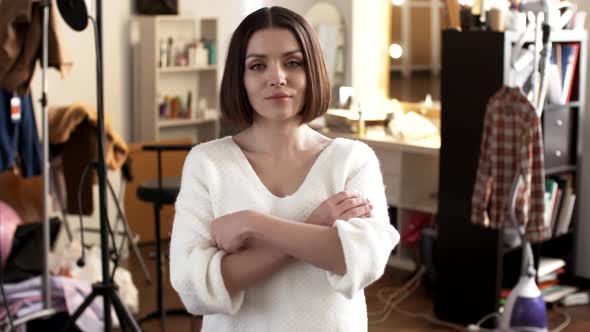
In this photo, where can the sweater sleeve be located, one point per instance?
(195, 265)
(366, 242)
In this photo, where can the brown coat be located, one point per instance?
(74, 129)
(21, 36)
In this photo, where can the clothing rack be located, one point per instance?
(48, 309)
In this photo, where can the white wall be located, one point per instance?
(583, 226)
(80, 84)
(231, 14)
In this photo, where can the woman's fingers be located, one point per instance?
(356, 212)
(351, 203)
(342, 196)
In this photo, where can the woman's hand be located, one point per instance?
(344, 206)
(229, 232)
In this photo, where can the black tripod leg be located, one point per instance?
(160, 290)
(125, 318)
(72, 321)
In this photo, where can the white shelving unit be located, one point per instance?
(154, 79)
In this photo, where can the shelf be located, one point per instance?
(172, 123)
(561, 169)
(559, 237)
(401, 263)
(560, 36)
(174, 18)
(554, 107)
(185, 69)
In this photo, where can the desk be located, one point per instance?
(410, 175)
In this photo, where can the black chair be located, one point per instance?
(161, 191)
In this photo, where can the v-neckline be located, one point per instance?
(248, 168)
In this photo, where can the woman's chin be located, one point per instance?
(279, 115)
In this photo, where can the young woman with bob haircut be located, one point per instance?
(278, 228)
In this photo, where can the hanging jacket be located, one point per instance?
(511, 144)
(19, 141)
(72, 130)
(21, 36)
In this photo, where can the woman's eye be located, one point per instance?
(257, 66)
(293, 63)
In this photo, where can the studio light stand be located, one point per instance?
(75, 14)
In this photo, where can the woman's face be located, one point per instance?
(274, 75)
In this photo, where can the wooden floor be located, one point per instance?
(419, 303)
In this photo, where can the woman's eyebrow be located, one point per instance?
(258, 55)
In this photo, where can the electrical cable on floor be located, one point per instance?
(398, 295)
(565, 323)
(393, 300)
(403, 291)
(485, 318)
(388, 298)
(4, 298)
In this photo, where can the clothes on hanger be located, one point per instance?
(21, 36)
(19, 138)
(511, 144)
(72, 132)
(67, 294)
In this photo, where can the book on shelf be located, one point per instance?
(549, 265)
(569, 61)
(551, 189)
(555, 208)
(549, 283)
(563, 64)
(557, 292)
(550, 276)
(566, 214)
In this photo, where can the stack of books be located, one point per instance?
(548, 280)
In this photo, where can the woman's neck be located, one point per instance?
(278, 140)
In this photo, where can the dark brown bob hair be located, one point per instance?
(233, 99)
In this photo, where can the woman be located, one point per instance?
(278, 228)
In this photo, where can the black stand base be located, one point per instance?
(101, 289)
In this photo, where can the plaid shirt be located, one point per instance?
(511, 144)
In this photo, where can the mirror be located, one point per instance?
(415, 49)
(329, 26)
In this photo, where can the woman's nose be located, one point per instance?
(277, 75)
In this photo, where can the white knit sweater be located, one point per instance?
(217, 180)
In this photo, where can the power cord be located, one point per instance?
(82, 260)
(4, 298)
(566, 322)
(486, 317)
(393, 300)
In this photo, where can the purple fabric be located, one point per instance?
(67, 294)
